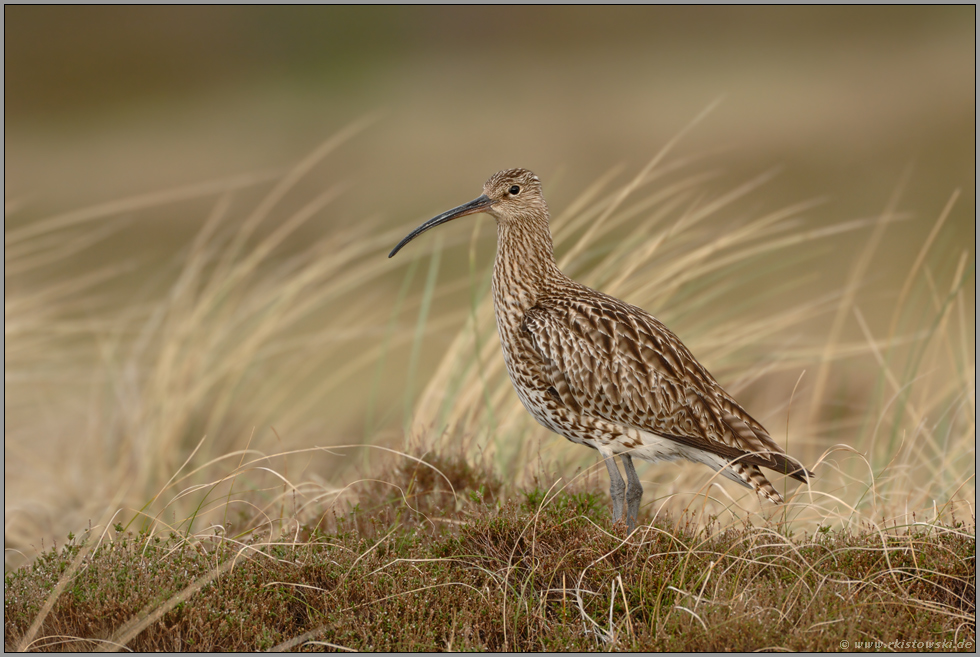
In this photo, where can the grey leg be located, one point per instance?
(616, 488)
(634, 491)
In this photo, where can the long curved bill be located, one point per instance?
(473, 207)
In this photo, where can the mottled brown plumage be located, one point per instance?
(600, 371)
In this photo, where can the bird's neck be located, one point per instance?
(525, 263)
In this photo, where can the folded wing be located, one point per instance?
(611, 360)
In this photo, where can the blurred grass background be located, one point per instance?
(105, 103)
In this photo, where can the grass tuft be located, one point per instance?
(540, 570)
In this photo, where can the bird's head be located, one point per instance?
(510, 195)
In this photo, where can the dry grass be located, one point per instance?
(435, 561)
(242, 336)
(245, 538)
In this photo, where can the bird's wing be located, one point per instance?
(618, 362)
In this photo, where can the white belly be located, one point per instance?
(657, 448)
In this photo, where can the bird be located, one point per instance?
(602, 372)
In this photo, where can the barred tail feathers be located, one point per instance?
(752, 475)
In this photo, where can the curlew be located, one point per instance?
(601, 372)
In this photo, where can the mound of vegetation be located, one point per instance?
(433, 559)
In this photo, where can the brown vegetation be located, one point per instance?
(431, 558)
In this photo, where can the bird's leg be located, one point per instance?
(616, 487)
(634, 491)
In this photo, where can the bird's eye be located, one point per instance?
(515, 190)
